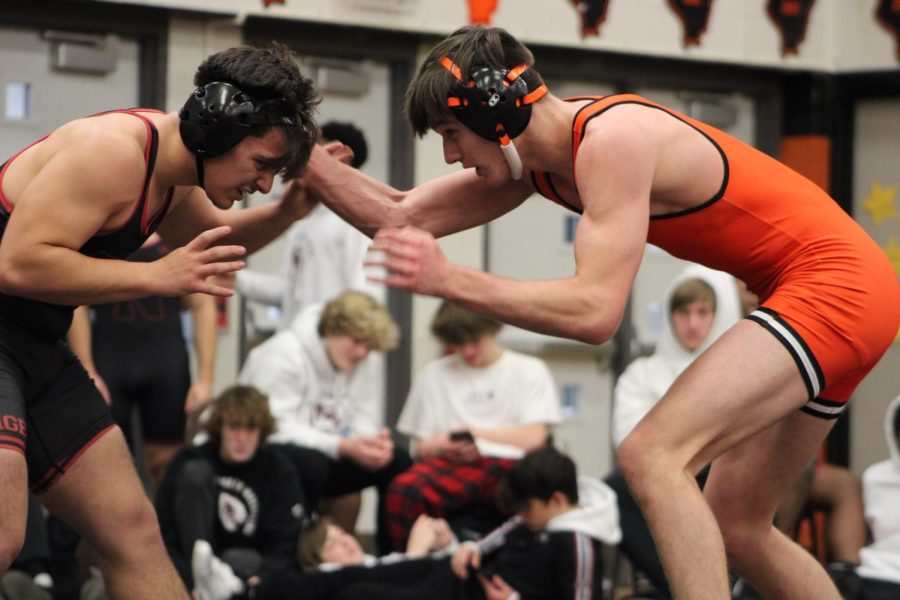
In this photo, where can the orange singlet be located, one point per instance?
(828, 292)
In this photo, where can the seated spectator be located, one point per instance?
(552, 547)
(323, 545)
(880, 561)
(471, 414)
(230, 509)
(701, 304)
(328, 427)
(550, 551)
(136, 354)
(836, 491)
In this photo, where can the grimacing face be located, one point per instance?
(241, 171)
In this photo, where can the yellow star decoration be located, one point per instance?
(880, 203)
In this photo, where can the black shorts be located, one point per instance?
(153, 378)
(50, 410)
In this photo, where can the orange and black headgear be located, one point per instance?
(494, 103)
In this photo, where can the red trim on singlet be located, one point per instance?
(12, 442)
(145, 220)
(3, 200)
(54, 473)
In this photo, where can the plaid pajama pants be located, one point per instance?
(436, 487)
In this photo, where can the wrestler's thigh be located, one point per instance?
(100, 494)
(742, 384)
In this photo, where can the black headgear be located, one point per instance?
(218, 115)
(494, 103)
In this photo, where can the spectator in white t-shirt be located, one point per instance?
(472, 414)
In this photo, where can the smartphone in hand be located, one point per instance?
(462, 436)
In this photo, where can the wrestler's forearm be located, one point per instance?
(568, 308)
(63, 276)
(362, 201)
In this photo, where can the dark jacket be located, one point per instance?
(256, 505)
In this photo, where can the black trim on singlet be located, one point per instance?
(810, 370)
(593, 100)
(811, 409)
(559, 199)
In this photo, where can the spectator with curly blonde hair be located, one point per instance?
(329, 426)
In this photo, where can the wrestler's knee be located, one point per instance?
(132, 528)
(644, 465)
(744, 537)
(12, 536)
(195, 474)
(13, 506)
(745, 547)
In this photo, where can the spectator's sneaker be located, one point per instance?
(213, 579)
(19, 584)
(44, 580)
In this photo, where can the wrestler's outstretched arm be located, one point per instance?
(440, 206)
(614, 175)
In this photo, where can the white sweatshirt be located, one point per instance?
(314, 404)
(323, 256)
(647, 379)
(881, 500)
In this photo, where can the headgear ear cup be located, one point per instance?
(218, 115)
(495, 104)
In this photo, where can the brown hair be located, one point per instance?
(468, 47)
(241, 405)
(454, 325)
(362, 317)
(311, 542)
(691, 291)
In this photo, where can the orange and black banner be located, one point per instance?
(791, 18)
(694, 15)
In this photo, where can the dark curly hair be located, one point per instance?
(267, 73)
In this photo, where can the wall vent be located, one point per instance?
(395, 7)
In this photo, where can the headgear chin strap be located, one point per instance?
(218, 115)
(495, 104)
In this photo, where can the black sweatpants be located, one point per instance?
(324, 477)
